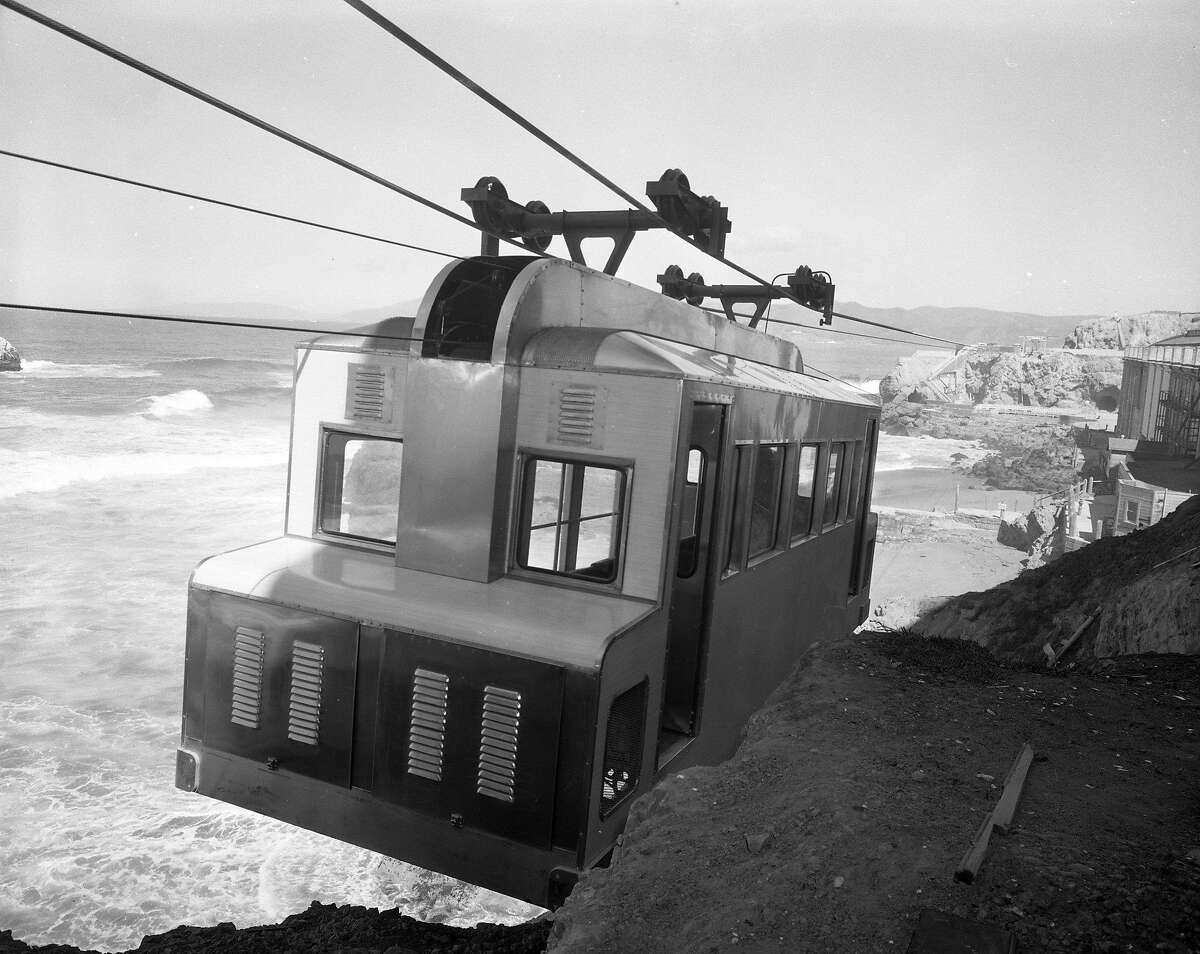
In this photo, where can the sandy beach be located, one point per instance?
(933, 488)
(923, 554)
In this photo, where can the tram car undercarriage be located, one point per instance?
(550, 540)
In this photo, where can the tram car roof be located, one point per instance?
(558, 314)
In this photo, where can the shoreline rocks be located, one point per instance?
(10, 357)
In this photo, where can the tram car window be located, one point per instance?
(535, 556)
(802, 506)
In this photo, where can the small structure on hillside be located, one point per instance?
(1160, 394)
(1139, 504)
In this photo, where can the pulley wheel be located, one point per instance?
(539, 241)
(696, 292)
(488, 212)
(671, 281)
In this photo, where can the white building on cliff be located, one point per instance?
(1160, 395)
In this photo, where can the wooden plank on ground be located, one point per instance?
(998, 819)
(1014, 784)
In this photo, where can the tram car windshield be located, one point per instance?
(551, 539)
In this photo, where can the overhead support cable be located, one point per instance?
(415, 45)
(904, 331)
(241, 114)
(180, 319)
(798, 324)
(426, 53)
(227, 205)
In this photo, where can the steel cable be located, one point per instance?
(221, 202)
(241, 114)
(207, 321)
(412, 43)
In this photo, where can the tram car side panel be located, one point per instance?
(786, 574)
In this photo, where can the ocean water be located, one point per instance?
(129, 451)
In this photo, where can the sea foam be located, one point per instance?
(52, 369)
(189, 401)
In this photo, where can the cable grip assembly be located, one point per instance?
(812, 289)
(703, 221)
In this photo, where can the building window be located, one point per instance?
(1131, 511)
(360, 486)
(833, 484)
(764, 509)
(570, 519)
(806, 475)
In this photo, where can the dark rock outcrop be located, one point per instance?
(10, 358)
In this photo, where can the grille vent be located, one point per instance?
(427, 724)
(247, 677)
(369, 393)
(578, 416)
(623, 747)
(304, 703)
(499, 731)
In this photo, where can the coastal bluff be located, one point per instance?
(10, 357)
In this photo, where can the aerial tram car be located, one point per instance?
(554, 537)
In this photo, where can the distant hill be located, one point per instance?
(966, 324)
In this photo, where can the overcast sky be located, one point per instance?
(1036, 156)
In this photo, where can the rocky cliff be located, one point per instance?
(10, 358)
(1130, 331)
(1046, 378)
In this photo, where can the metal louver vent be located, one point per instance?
(427, 724)
(369, 393)
(304, 701)
(247, 677)
(498, 734)
(576, 415)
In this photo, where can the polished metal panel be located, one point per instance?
(322, 381)
(448, 492)
(306, 712)
(567, 626)
(504, 714)
(640, 424)
(519, 869)
(629, 352)
(247, 677)
(554, 293)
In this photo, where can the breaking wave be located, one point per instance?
(189, 401)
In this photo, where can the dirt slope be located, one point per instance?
(860, 786)
(1144, 585)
